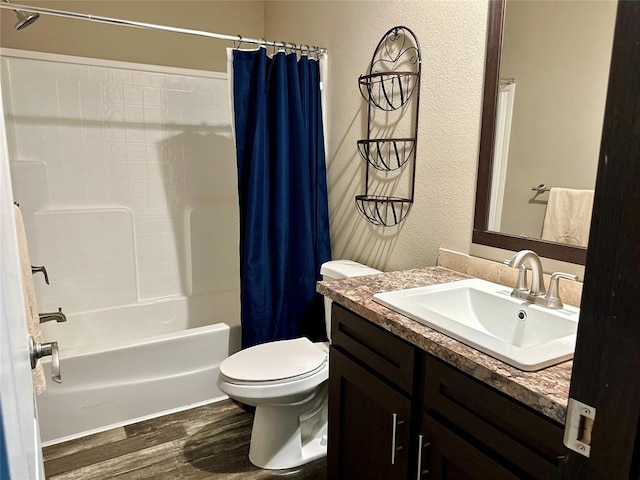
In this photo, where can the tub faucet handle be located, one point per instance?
(42, 270)
(39, 350)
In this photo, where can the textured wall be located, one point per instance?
(86, 39)
(452, 37)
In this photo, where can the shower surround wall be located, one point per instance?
(126, 177)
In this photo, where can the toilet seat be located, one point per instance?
(275, 362)
(280, 381)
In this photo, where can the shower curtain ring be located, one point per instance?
(237, 43)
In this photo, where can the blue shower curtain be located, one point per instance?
(284, 226)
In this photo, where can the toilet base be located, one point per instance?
(287, 436)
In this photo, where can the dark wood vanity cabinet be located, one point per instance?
(396, 412)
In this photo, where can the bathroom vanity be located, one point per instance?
(408, 402)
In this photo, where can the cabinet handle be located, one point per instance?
(395, 423)
(419, 456)
(421, 445)
(393, 440)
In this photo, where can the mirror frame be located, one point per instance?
(481, 235)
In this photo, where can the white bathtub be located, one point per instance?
(161, 366)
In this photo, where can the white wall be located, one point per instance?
(452, 37)
(127, 181)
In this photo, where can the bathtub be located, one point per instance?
(162, 365)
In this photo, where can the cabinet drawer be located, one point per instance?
(379, 350)
(513, 431)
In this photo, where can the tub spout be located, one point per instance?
(57, 316)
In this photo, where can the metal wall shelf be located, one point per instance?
(390, 85)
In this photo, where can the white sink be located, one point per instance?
(483, 315)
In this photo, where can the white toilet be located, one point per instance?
(286, 381)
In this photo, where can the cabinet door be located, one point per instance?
(447, 456)
(368, 424)
(508, 429)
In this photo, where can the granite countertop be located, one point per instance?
(546, 391)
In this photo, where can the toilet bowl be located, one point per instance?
(286, 380)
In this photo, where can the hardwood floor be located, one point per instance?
(209, 442)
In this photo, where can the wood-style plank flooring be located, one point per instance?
(209, 442)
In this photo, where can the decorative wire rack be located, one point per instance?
(388, 90)
(383, 211)
(394, 71)
(391, 82)
(386, 153)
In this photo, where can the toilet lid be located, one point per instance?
(274, 361)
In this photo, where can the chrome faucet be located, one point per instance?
(537, 281)
(57, 316)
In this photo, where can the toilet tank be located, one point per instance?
(335, 270)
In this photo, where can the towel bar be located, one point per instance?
(540, 188)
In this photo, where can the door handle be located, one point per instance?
(39, 350)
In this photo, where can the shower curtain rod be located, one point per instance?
(152, 26)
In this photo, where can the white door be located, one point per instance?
(18, 420)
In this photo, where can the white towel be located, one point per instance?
(30, 303)
(568, 216)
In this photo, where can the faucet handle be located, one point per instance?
(552, 298)
(42, 270)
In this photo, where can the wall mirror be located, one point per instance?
(546, 74)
